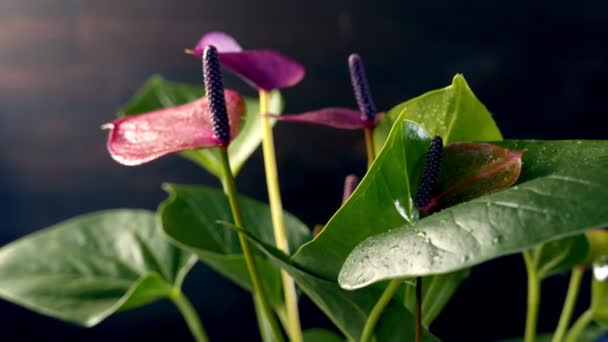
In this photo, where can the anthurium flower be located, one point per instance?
(263, 69)
(336, 117)
(138, 139)
(344, 118)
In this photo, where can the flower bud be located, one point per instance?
(350, 184)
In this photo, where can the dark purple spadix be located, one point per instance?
(430, 174)
(361, 88)
(214, 87)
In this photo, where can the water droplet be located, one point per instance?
(600, 268)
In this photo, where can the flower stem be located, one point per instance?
(570, 301)
(190, 316)
(368, 330)
(276, 210)
(533, 297)
(258, 290)
(579, 326)
(418, 309)
(369, 145)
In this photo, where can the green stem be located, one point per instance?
(533, 297)
(418, 309)
(570, 301)
(276, 210)
(249, 260)
(190, 316)
(579, 326)
(374, 315)
(369, 146)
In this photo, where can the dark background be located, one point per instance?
(67, 65)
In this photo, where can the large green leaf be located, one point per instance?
(562, 191)
(599, 291)
(349, 310)
(190, 217)
(381, 201)
(436, 293)
(452, 112)
(159, 93)
(89, 267)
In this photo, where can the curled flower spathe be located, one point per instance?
(138, 139)
(263, 69)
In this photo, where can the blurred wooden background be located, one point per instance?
(67, 65)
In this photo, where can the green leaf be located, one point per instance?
(321, 335)
(561, 192)
(159, 93)
(381, 201)
(191, 217)
(560, 255)
(89, 267)
(348, 310)
(599, 291)
(453, 112)
(437, 291)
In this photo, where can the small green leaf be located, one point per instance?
(437, 291)
(159, 93)
(321, 335)
(454, 113)
(599, 291)
(560, 255)
(348, 310)
(192, 218)
(89, 267)
(561, 192)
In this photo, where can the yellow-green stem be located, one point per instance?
(369, 145)
(258, 290)
(569, 303)
(276, 210)
(579, 326)
(190, 316)
(533, 297)
(374, 315)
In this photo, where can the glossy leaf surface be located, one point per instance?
(382, 201)
(453, 112)
(87, 268)
(561, 192)
(158, 93)
(191, 216)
